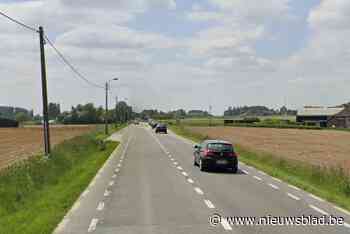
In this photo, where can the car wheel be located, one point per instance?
(202, 167)
(234, 169)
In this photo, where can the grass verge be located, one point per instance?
(36, 194)
(332, 184)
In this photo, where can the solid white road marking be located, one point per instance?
(61, 226)
(276, 179)
(180, 168)
(92, 184)
(190, 181)
(292, 186)
(111, 183)
(293, 196)
(261, 172)
(93, 225)
(347, 225)
(184, 173)
(274, 186)
(198, 190)
(318, 210)
(209, 204)
(100, 206)
(245, 172)
(342, 210)
(316, 198)
(225, 224)
(106, 193)
(257, 178)
(85, 193)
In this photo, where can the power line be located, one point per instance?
(18, 22)
(71, 66)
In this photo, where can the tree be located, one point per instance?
(22, 117)
(54, 110)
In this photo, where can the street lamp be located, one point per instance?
(106, 115)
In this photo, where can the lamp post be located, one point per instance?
(106, 114)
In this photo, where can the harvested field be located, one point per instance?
(324, 148)
(20, 143)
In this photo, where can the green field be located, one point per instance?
(332, 184)
(36, 194)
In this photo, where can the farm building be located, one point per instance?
(337, 117)
(8, 123)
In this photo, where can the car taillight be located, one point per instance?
(232, 154)
(208, 152)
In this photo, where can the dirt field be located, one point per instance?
(325, 148)
(19, 143)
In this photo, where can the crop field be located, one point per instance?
(323, 148)
(20, 143)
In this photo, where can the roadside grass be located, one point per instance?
(36, 194)
(332, 184)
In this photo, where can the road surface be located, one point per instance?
(149, 185)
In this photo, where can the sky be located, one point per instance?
(171, 54)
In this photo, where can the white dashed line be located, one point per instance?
(209, 204)
(116, 170)
(342, 210)
(318, 210)
(111, 183)
(257, 178)
(93, 225)
(100, 206)
(106, 193)
(119, 165)
(276, 179)
(245, 172)
(190, 181)
(293, 196)
(274, 186)
(292, 186)
(85, 193)
(179, 168)
(347, 225)
(198, 190)
(176, 163)
(184, 173)
(226, 225)
(316, 198)
(172, 159)
(114, 176)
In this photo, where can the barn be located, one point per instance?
(8, 123)
(336, 117)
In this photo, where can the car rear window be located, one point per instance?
(220, 147)
(161, 125)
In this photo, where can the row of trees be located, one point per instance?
(257, 111)
(176, 114)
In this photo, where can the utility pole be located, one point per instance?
(106, 118)
(44, 93)
(210, 107)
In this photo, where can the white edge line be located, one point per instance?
(93, 224)
(316, 197)
(198, 190)
(293, 196)
(274, 186)
(225, 224)
(294, 187)
(318, 210)
(245, 172)
(209, 204)
(342, 210)
(100, 206)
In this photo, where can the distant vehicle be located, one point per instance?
(161, 128)
(215, 154)
(153, 124)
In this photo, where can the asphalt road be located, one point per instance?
(149, 185)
